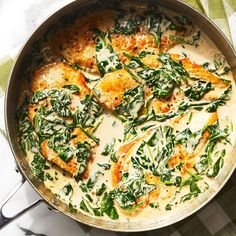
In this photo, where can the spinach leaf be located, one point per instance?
(97, 212)
(162, 116)
(214, 171)
(202, 165)
(108, 148)
(28, 141)
(217, 67)
(175, 69)
(154, 20)
(72, 87)
(216, 135)
(145, 128)
(169, 207)
(181, 39)
(83, 152)
(107, 206)
(76, 66)
(210, 106)
(101, 190)
(198, 90)
(130, 190)
(193, 187)
(38, 165)
(113, 157)
(83, 206)
(135, 77)
(64, 152)
(154, 154)
(129, 26)
(132, 103)
(143, 54)
(168, 179)
(213, 106)
(92, 180)
(106, 166)
(188, 139)
(160, 82)
(87, 116)
(60, 100)
(109, 63)
(72, 209)
(163, 81)
(134, 62)
(38, 96)
(67, 189)
(89, 197)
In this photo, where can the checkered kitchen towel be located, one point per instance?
(219, 216)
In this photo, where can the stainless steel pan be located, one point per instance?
(12, 99)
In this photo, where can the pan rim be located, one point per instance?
(108, 226)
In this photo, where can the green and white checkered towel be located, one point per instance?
(219, 216)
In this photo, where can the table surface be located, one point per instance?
(18, 19)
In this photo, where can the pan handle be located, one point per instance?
(5, 220)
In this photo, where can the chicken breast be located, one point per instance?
(76, 42)
(110, 90)
(55, 76)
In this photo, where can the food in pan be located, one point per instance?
(134, 119)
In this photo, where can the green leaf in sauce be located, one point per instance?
(198, 90)
(110, 62)
(127, 193)
(188, 139)
(209, 106)
(154, 154)
(72, 208)
(129, 26)
(113, 157)
(134, 62)
(38, 165)
(154, 20)
(87, 117)
(38, 96)
(168, 207)
(108, 148)
(101, 190)
(106, 166)
(182, 40)
(193, 187)
(220, 101)
(214, 171)
(83, 206)
(107, 206)
(132, 103)
(202, 165)
(48, 176)
(72, 87)
(163, 81)
(92, 180)
(68, 189)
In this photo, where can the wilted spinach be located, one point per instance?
(109, 63)
(132, 103)
(130, 190)
(198, 90)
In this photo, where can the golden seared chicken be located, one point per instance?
(58, 94)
